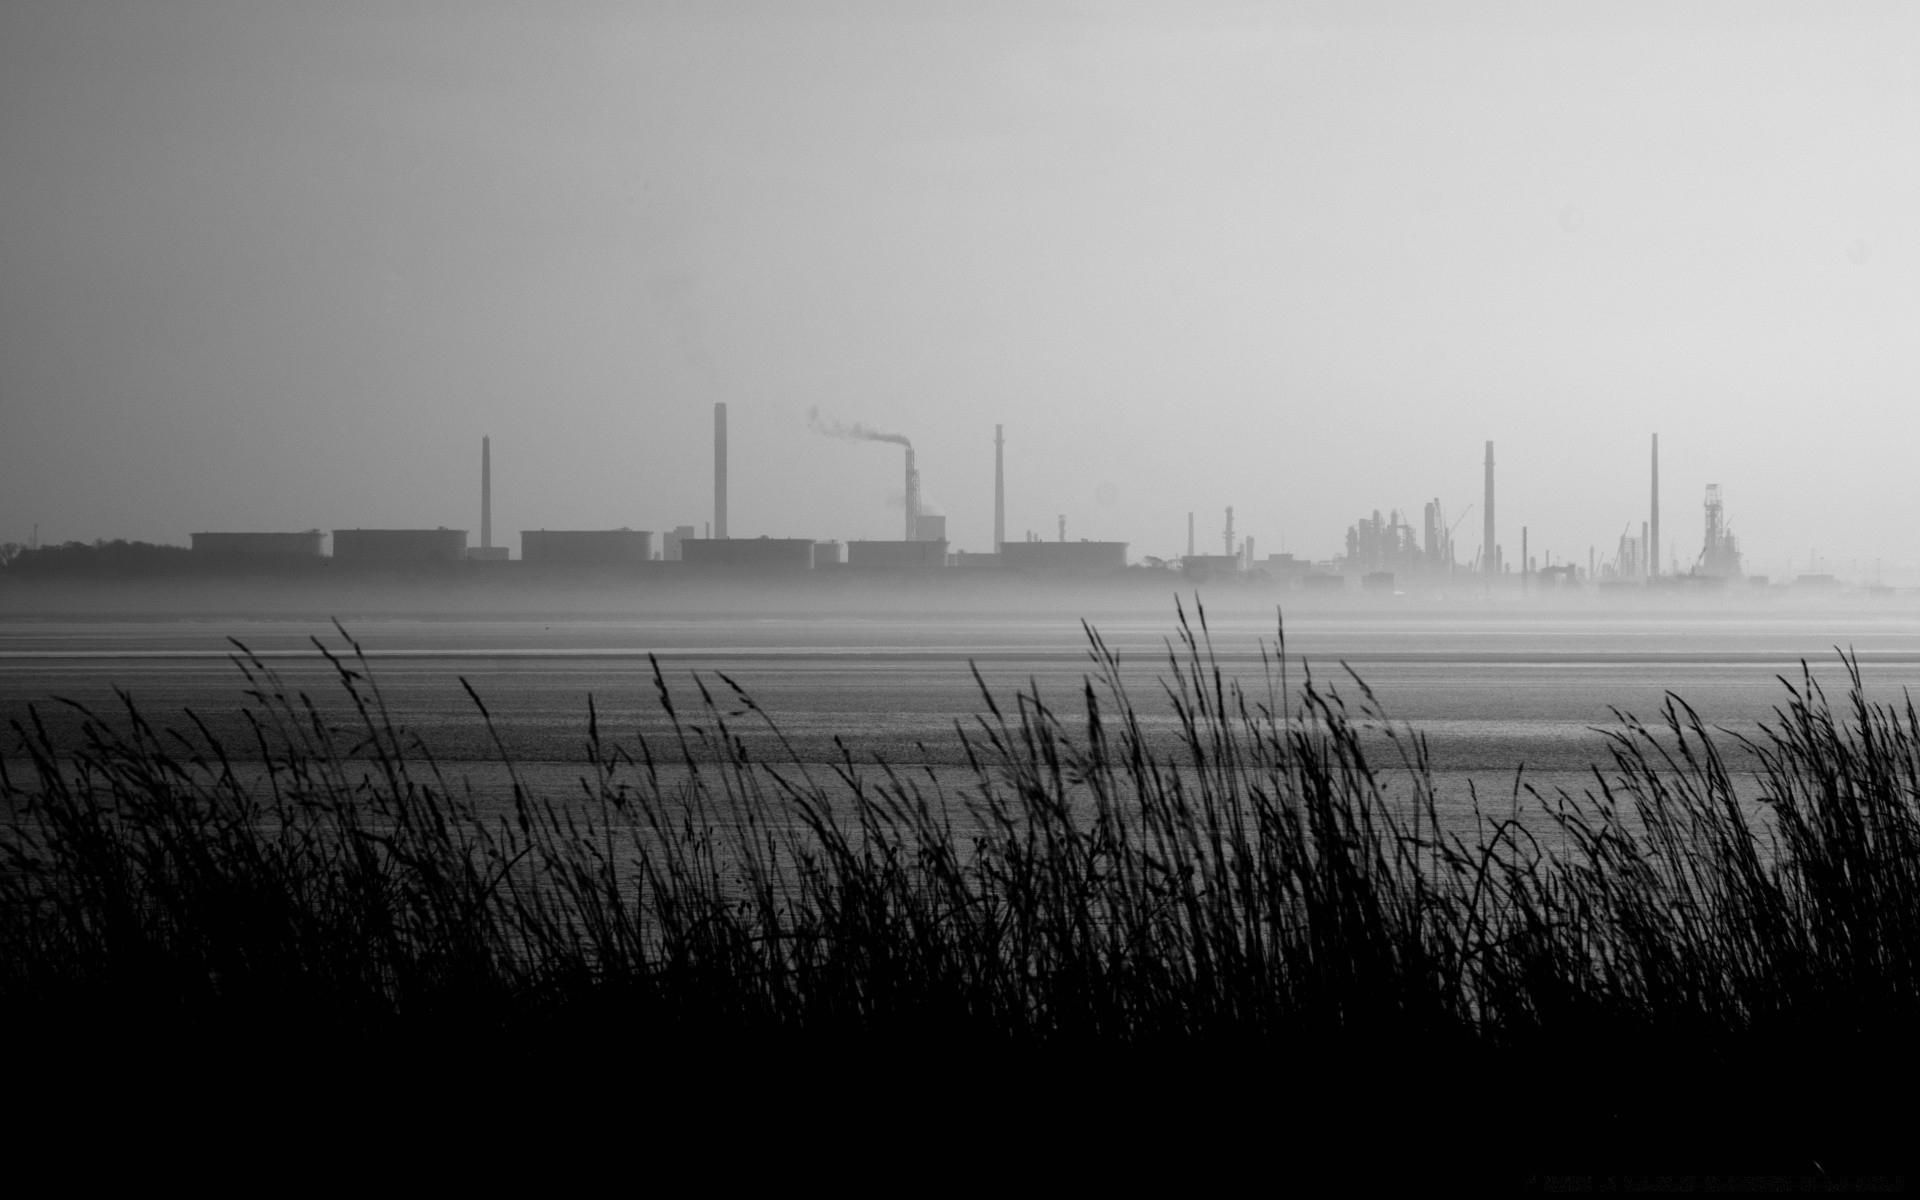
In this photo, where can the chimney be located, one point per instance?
(1063, 527)
(486, 493)
(720, 471)
(999, 488)
(913, 498)
(1227, 537)
(1653, 554)
(1489, 555)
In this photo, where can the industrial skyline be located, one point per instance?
(1300, 262)
(1379, 550)
(1434, 549)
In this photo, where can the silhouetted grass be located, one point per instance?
(1261, 924)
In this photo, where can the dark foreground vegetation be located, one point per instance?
(1262, 938)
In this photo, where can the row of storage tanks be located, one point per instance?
(614, 547)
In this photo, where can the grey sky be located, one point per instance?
(281, 265)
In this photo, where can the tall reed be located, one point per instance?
(1262, 891)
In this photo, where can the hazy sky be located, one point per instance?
(272, 266)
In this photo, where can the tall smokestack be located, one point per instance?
(1489, 560)
(1227, 536)
(1653, 553)
(913, 498)
(720, 470)
(999, 488)
(486, 493)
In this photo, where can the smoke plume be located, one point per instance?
(855, 432)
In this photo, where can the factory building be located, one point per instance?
(1198, 567)
(828, 554)
(1376, 545)
(262, 545)
(916, 555)
(1436, 540)
(1720, 555)
(1631, 562)
(1064, 556)
(399, 545)
(586, 545)
(748, 554)
(670, 541)
(1284, 566)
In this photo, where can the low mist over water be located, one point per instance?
(1495, 695)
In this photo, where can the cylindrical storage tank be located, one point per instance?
(399, 545)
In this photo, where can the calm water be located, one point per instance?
(1490, 692)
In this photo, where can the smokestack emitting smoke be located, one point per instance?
(913, 498)
(856, 432)
(720, 470)
(999, 488)
(1489, 559)
(1653, 554)
(486, 493)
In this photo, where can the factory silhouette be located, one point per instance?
(1382, 553)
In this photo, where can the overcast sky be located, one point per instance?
(275, 266)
